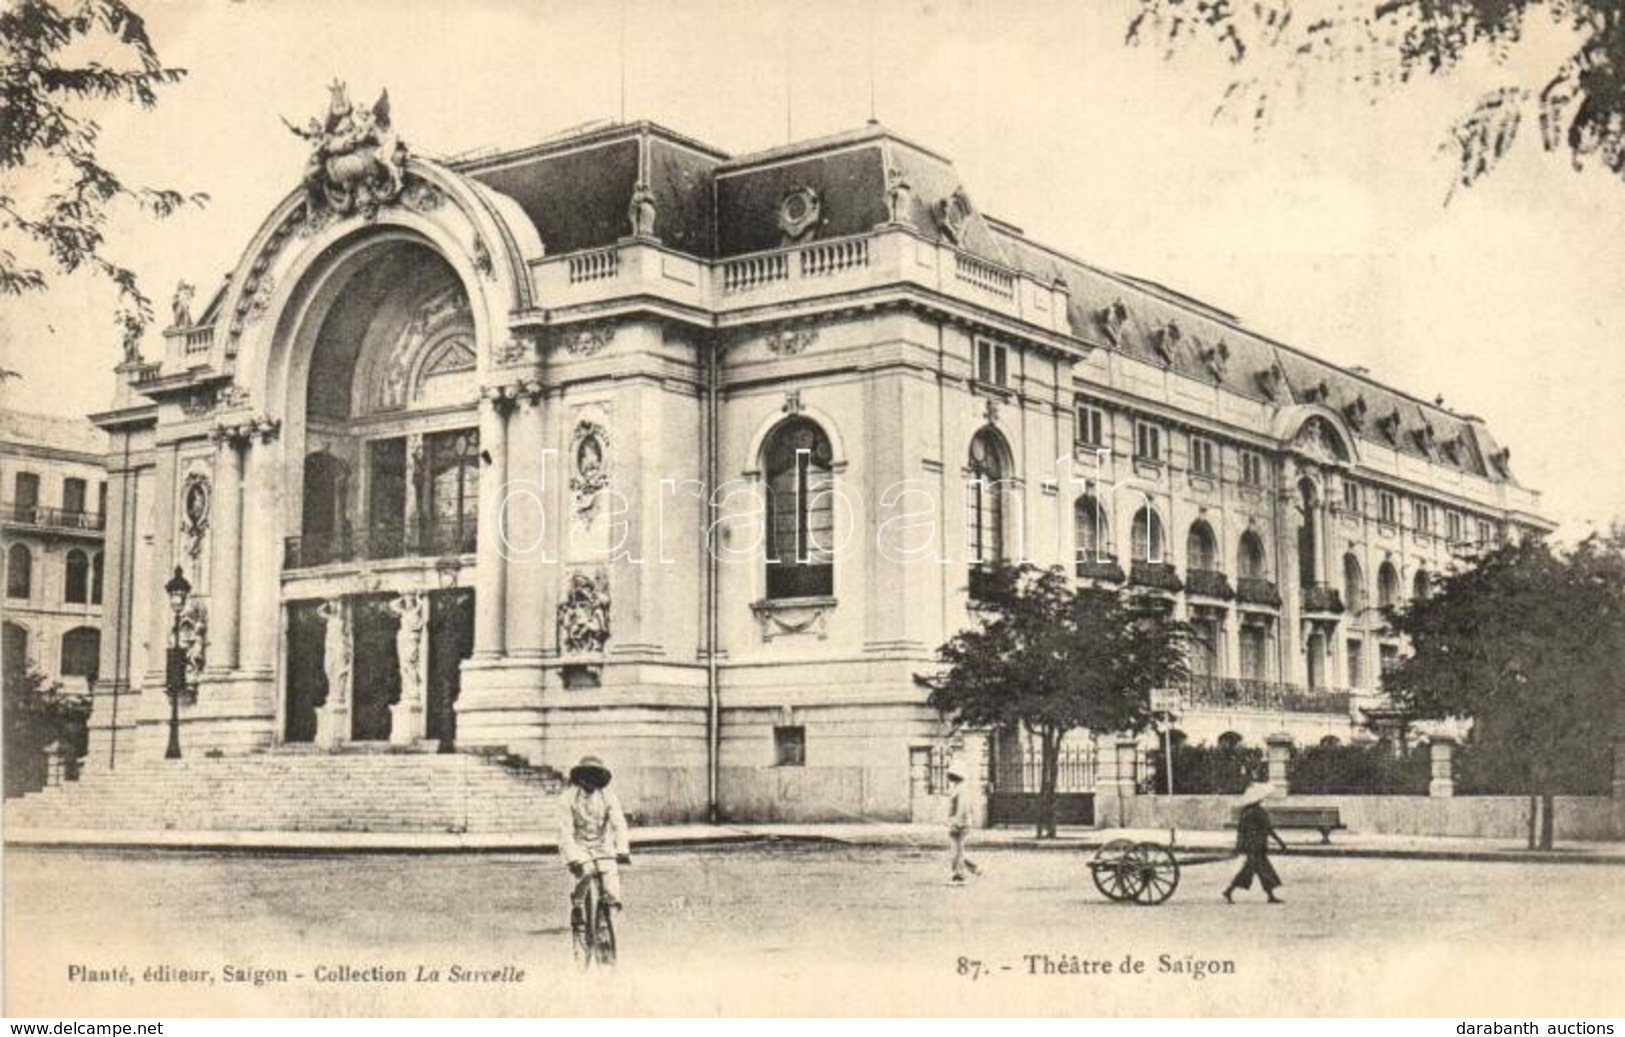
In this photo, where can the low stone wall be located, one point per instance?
(1490, 817)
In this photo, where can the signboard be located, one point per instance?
(1165, 700)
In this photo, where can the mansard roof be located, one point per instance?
(576, 188)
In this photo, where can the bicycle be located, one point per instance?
(592, 938)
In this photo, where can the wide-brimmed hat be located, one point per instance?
(590, 765)
(956, 771)
(1257, 792)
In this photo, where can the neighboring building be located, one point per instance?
(53, 497)
(621, 444)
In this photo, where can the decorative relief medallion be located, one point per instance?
(785, 618)
(789, 342)
(799, 213)
(357, 161)
(194, 638)
(589, 341)
(196, 499)
(583, 615)
(953, 214)
(589, 472)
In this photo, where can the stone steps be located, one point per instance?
(302, 791)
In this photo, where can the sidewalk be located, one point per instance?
(1194, 843)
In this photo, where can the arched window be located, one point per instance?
(1147, 536)
(96, 578)
(19, 572)
(1353, 584)
(1089, 518)
(989, 467)
(77, 586)
(800, 509)
(1201, 552)
(1422, 586)
(1250, 558)
(81, 652)
(15, 640)
(1387, 586)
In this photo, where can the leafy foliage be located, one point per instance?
(35, 714)
(1361, 770)
(1206, 769)
(1530, 643)
(1382, 44)
(1051, 658)
(45, 138)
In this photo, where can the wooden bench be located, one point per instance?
(1323, 819)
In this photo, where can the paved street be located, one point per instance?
(810, 928)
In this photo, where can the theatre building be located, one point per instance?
(624, 445)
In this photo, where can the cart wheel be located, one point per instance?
(1113, 871)
(1156, 871)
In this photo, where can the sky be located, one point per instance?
(1327, 229)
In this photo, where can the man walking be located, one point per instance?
(959, 824)
(1253, 833)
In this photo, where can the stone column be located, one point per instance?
(262, 555)
(167, 554)
(225, 559)
(522, 530)
(1279, 751)
(1442, 757)
(114, 709)
(491, 581)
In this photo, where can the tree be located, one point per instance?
(1052, 659)
(1530, 643)
(56, 192)
(1382, 44)
(35, 713)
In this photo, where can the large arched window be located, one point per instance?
(989, 467)
(1422, 586)
(800, 509)
(1353, 584)
(1308, 541)
(76, 588)
(81, 652)
(1089, 519)
(16, 651)
(1201, 552)
(19, 572)
(1387, 586)
(1250, 560)
(1147, 536)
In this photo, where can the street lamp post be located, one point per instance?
(175, 684)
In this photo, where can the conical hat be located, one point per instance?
(1257, 792)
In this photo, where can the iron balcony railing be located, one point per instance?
(455, 535)
(1206, 691)
(1155, 575)
(1322, 598)
(54, 518)
(1104, 568)
(1208, 583)
(1251, 590)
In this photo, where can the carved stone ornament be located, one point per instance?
(1166, 341)
(789, 342)
(1389, 424)
(1216, 357)
(1502, 459)
(1112, 320)
(799, 213)
(589, 470)
(357, 161)
(336, 653)
(787, 618)
(1320, 392)
(231, 396)
(421, 196)
(899, 193)
(520, 349)
(589, 341)
(1316, 442)
(257, 272)
(180, 307)
(792, 403)
(1427, 439)
(194, 638)
(1355, 412)
(196, 503)
(640, 211)
(432, 317)
(482, 259)
(198, 404)
(583, 615)
(1273, 381)
(952, 214)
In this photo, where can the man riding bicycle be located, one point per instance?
(592, 835)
